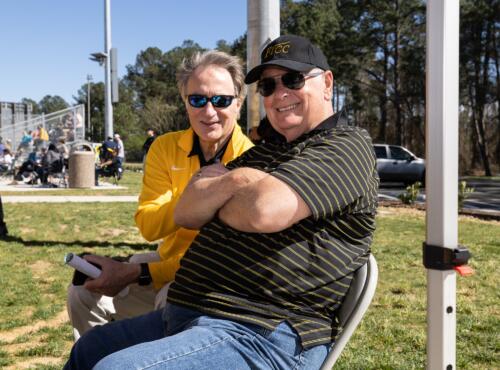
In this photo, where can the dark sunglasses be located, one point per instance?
(218, 101)
(291, 80)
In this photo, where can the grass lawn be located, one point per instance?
(34, 330)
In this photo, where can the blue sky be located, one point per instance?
(45, 44)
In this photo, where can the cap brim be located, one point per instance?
(255, 73)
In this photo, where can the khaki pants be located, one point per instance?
(87, 309)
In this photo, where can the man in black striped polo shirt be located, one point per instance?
(282, 228)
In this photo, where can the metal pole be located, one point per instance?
(263, 22)
(108, 107)
(442, 175)
(89, 79)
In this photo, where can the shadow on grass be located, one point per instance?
(77, 243)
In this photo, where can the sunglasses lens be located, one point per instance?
(218, 101)
(293, 80)
(266, 86)
(197, 101)
(221, 101)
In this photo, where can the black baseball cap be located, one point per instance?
(292, 52)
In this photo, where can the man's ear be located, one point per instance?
(328, 92)
(239, 104)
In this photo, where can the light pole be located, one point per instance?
(89, 125)
(105, 59)
(263, 22)
(108, 111)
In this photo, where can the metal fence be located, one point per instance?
(67, 124)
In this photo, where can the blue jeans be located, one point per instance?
(191, 340)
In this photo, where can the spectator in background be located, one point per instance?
(26, 140)
(28, 167)
(40, 137)
(109, 165)
(51, 163)
(63, 149)
(121, 149)
(28, 171)
(8, 145)
(44, 136)
(5, 160)
(151, 137)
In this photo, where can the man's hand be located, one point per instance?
(214, 170)
(205, 194)
(115, 276)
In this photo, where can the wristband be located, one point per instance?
(145, 276)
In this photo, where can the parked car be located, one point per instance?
(398, 164)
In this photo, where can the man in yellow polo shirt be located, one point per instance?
(212, 86)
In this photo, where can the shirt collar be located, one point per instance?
(196, 150)
(337, 119)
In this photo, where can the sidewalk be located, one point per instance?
(68, 198)
(38, 197)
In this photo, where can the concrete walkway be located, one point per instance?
(68, 198)
(37, 196)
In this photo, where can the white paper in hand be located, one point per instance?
(87, 268)
(82, 265)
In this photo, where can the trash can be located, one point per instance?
(81, 166)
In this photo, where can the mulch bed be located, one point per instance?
(484, 215)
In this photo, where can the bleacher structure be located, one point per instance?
(67, 124)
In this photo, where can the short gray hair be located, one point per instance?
(217, 58)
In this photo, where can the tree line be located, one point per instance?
(376, 50)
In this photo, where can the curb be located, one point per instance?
(68, 199)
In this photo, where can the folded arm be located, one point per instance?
(246, 199)
(206, 193)
(264, 206)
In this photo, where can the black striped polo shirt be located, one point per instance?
(302, 273)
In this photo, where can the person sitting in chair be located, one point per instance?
(27, 171)
(109, 166)
(51, 163)
(6, 160)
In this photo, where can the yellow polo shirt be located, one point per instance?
(167, 172)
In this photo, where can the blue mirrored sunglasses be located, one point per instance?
(218, 101)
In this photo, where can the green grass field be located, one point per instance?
(34, 330)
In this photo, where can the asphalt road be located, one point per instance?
(486, 195)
